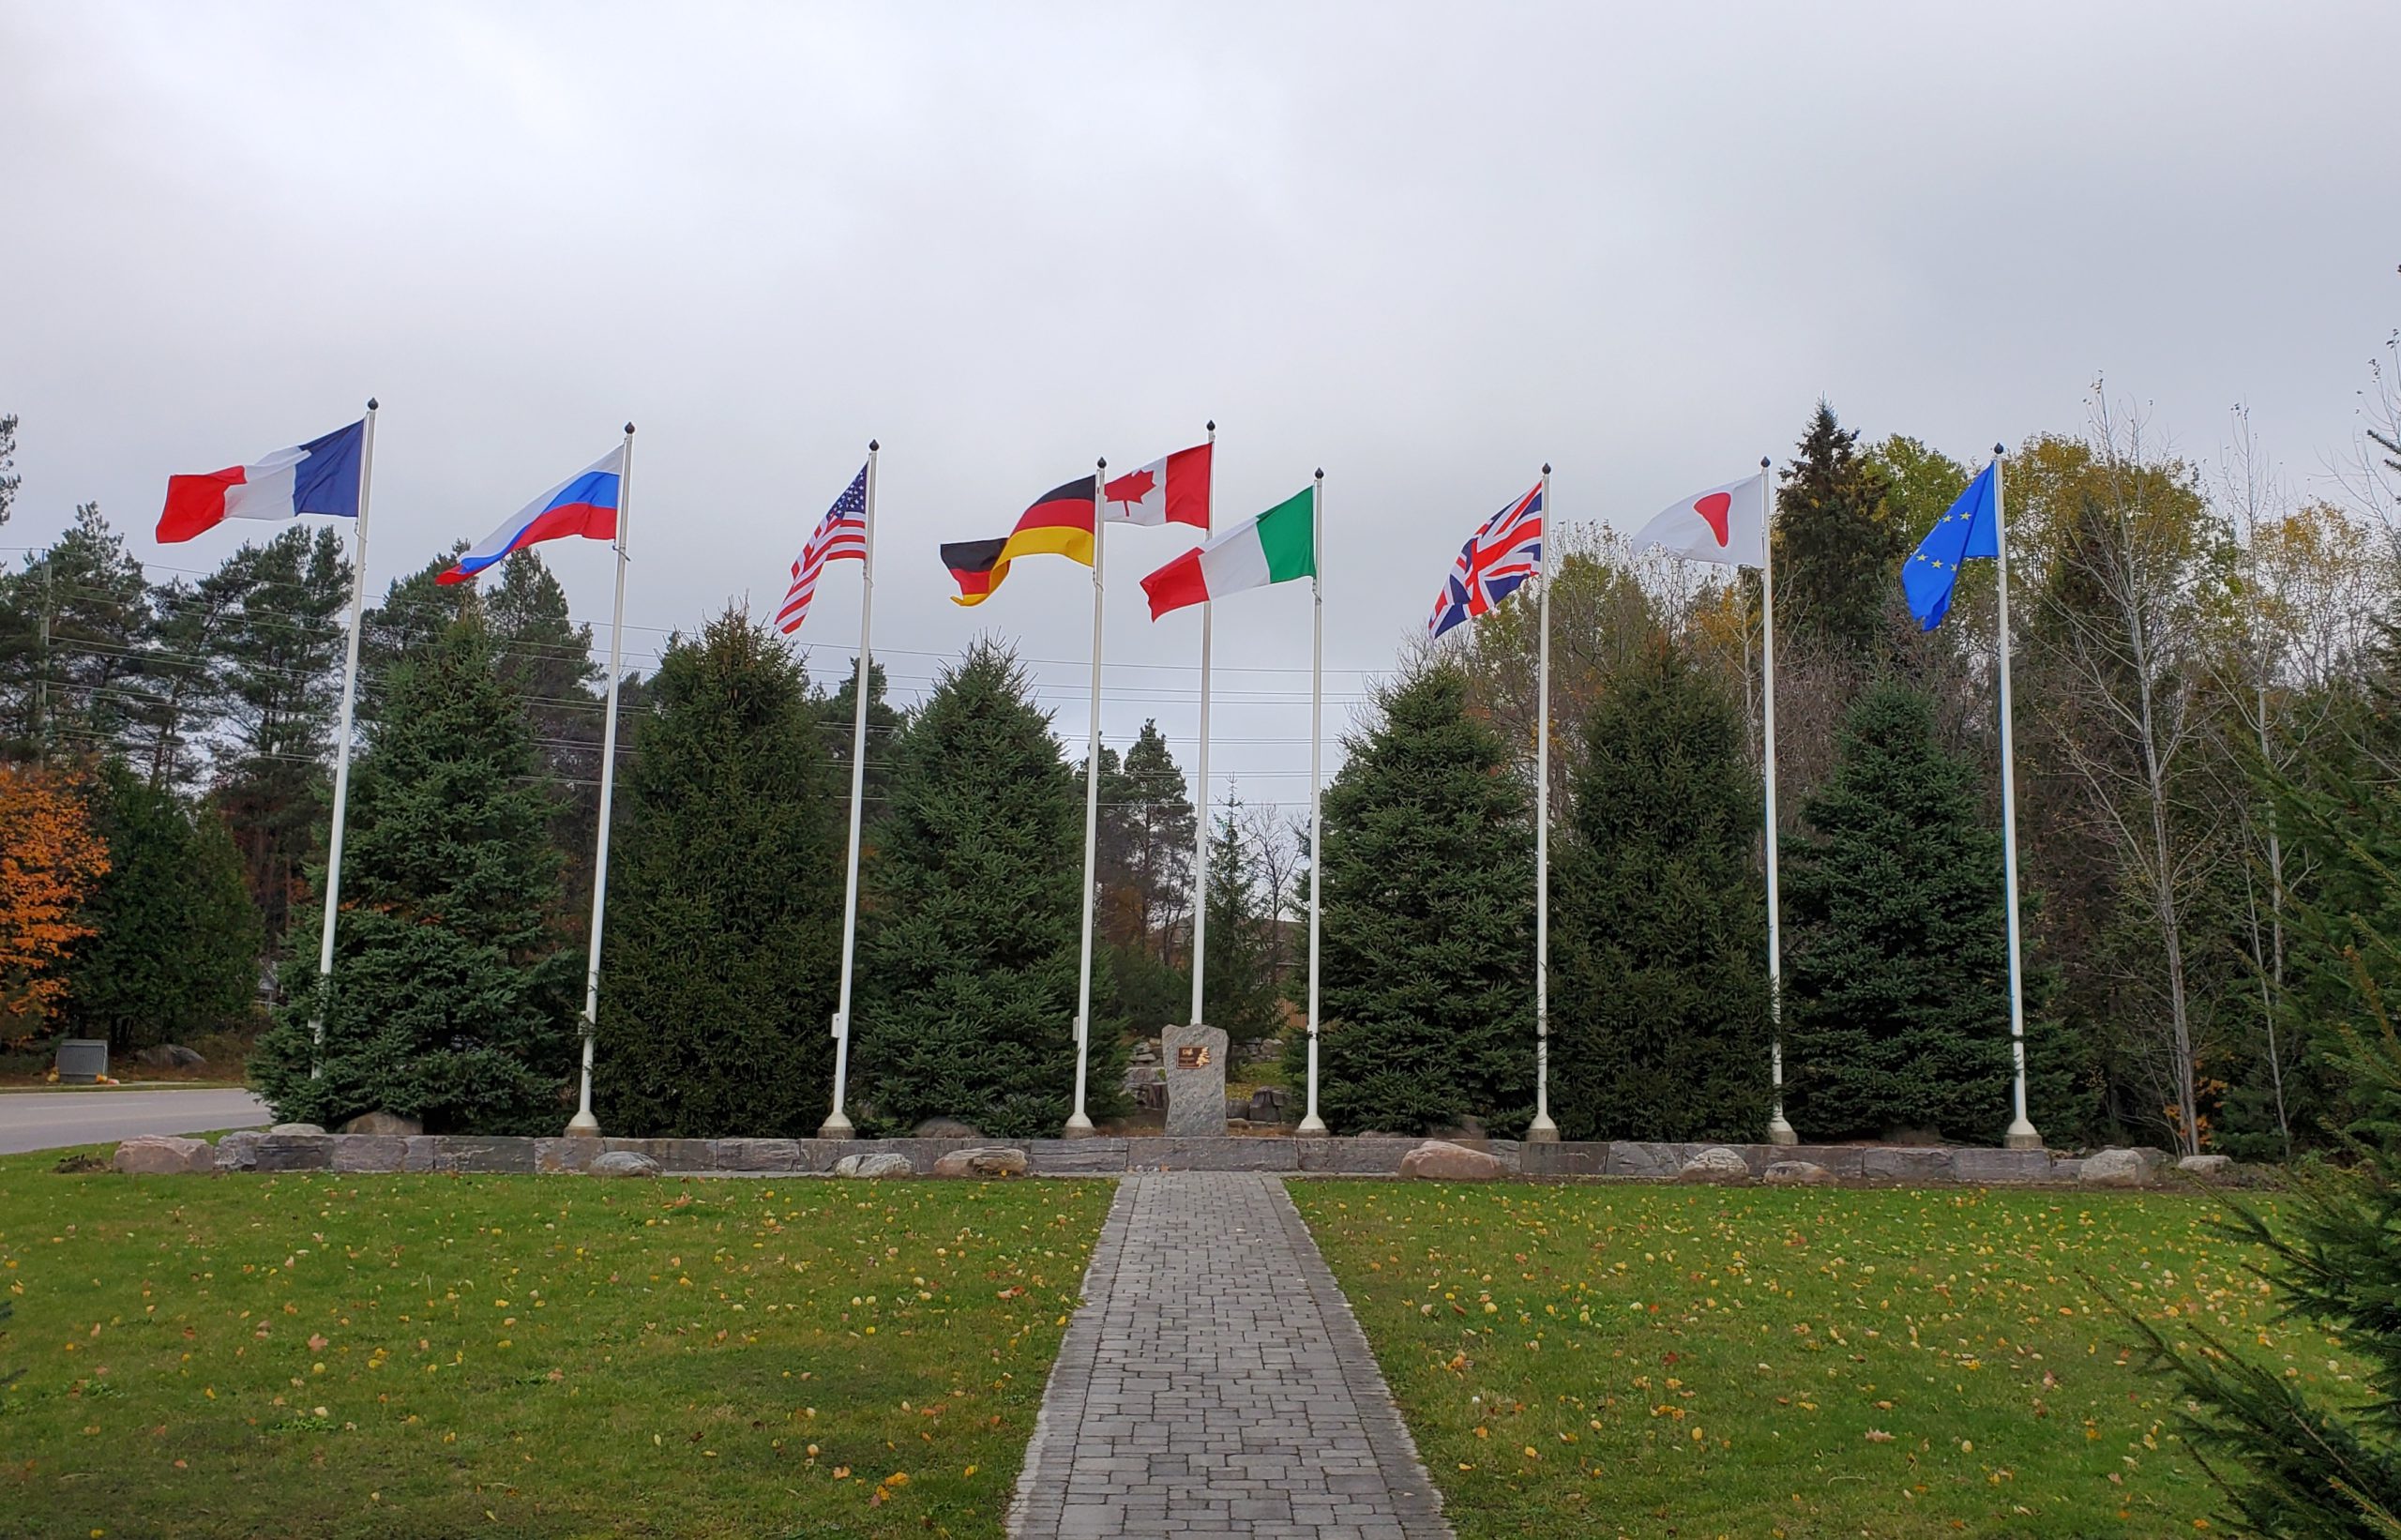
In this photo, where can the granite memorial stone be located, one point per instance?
(1196, 1080)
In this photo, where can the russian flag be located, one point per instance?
(318, 476)
(585, 504)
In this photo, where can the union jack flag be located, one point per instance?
(841, 533)
(1497, 558)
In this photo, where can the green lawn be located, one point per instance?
(1673, 1361)
(425, 1356)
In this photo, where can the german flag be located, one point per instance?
(1058, 525)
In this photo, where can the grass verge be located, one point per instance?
(1658, 1361)
(428, 1356)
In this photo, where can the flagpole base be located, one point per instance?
(1542, 1130)
(2021, 1136)
(1780, 1132)
(835, 1126)
(1311, 1124)
(1078, 1127)
(583, 1125)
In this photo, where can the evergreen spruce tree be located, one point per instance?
(1243, 998)
(175, 942)
(452, 1000)
(1658, 923)
(1838, 542)
(967, 983)
(1896, 983)
(74, 625)
(2295, 1458)
(1426, 966)
(725, 899)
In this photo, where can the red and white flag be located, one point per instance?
(1175, 491)
(841, 533)
(1725, 524)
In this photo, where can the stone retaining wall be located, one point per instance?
(1895, 1165)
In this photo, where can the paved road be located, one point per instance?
(1215, 1383)
(45, 1120)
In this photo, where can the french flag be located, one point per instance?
(318, 476)
(585, 504)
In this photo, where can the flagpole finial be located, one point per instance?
(1320, 472)
(1763, 462)
(1213, 425)
(1998, 450)
(1102, 462)
(629, 429)
(373, 403)
(1545, 467)
(872, 447)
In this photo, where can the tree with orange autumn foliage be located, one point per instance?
(50, 859)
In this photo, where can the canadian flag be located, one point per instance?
(1175, 491)
(1725, 524)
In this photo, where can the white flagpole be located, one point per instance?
(1201, 771)
(1778, 1130)
(583, 1122)
(342, 751)
(1079, 1123)
(1312, 1123)
(1542, 1130)
(837, 1125)
(2021, 1134)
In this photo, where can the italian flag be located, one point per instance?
(1276, 547)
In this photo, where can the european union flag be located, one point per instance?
(1970, 528)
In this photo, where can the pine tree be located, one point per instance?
(1896, 980)
(175, 942)
(1659, 1007)
(725, 902)
(838, 714)
(1427, 970)
(280, 661)
(968, 977)
(74, 650)
(1243, 997)
(452, 999)
(1838, 543)
(1147, 827)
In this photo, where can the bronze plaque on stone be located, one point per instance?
(1192, 1056)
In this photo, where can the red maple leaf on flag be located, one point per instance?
(1130, 488)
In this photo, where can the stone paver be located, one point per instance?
(1215, 1383)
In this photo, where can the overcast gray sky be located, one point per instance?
(1427, 247)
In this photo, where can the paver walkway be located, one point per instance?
(1215, 1383)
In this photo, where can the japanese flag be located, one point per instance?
(1725, 524)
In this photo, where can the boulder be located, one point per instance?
(2206, 1164)
(1718, 1166)
(1267, 1104)
(164, 1154)
(239, 1152)
(296, 1128)
(381, 1122)
(623, 1163)
(1797, 1173)
(2120, 1168)
(881, 1164)
(1438, 1161)
(168, 1056)
(991, 1160)
(946, 1128)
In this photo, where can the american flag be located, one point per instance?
(1497, 558)
(841, 533)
